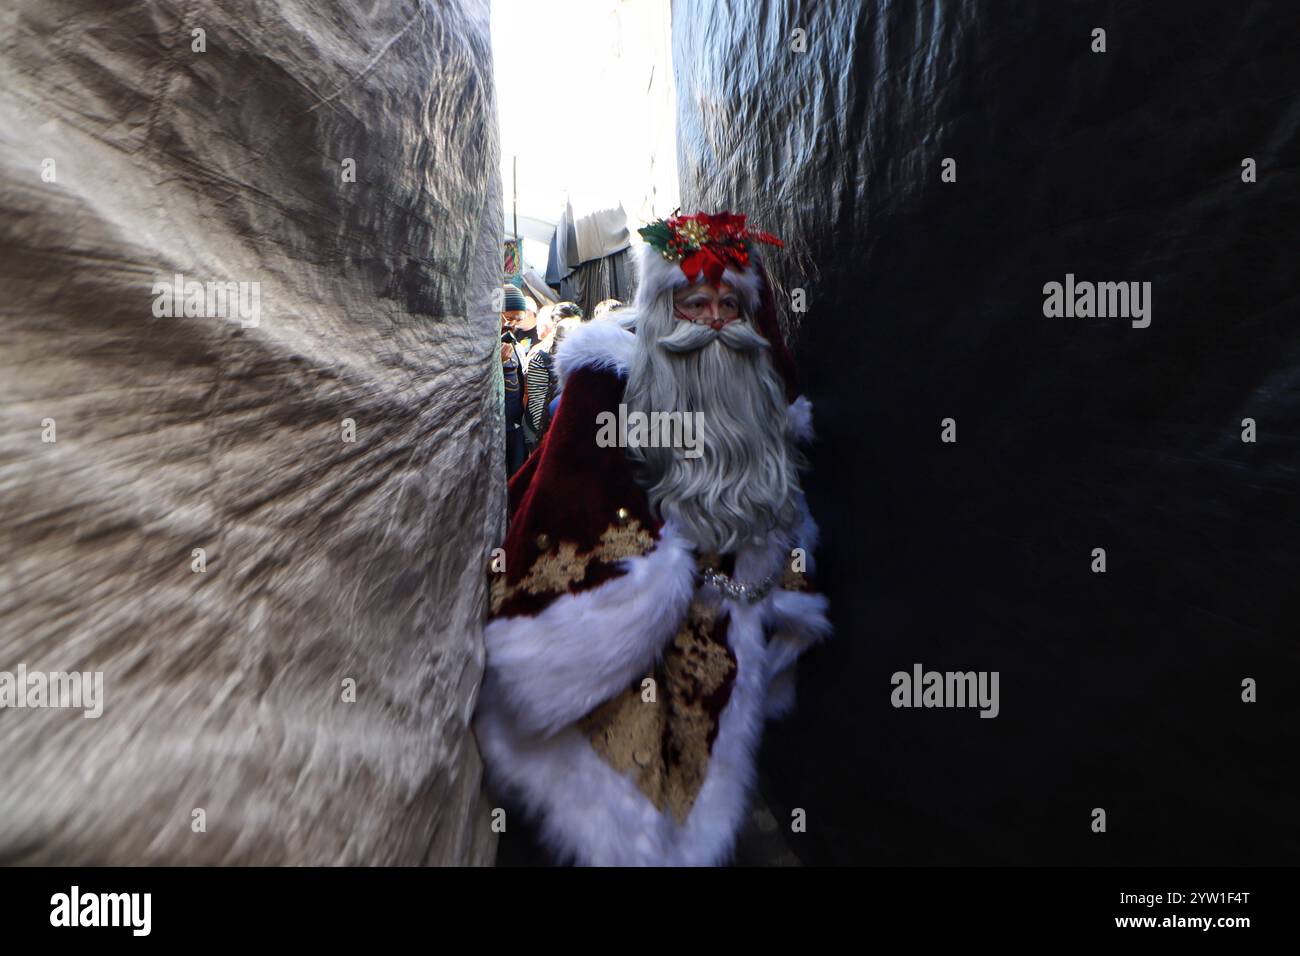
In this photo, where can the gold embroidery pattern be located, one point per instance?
(666, 744)
(794, 580)
(553, 572)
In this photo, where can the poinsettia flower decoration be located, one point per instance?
(705, 244)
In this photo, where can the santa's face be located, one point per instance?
(702, 314)
(704, 304)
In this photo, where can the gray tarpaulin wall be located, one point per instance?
(1119, 690)
(127, 157)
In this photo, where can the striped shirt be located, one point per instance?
(539, 383)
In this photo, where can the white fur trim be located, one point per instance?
(599, 344)
(586, 810)
(780, 694)
(800, 621)
(583, 649)
(655, 274)
(799, 417)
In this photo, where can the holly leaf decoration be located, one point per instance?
(656, 234)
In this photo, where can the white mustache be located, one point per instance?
(689, 336)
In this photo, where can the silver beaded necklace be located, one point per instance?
(738, 590)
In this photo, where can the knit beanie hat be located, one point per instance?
(513, 300)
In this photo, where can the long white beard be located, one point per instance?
(745, 483)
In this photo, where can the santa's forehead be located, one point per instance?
(722, 288)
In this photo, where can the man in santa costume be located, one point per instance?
(655, 599)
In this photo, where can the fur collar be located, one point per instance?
(599, 344)
(605, 344)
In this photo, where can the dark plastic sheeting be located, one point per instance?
(1119, 690)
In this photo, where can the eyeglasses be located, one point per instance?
(703, 311)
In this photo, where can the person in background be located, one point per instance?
(542, 381)
(553, 399)
(529, 323)
(512, 370)
(559, 311)
(605, 305)
(521, 319)
(524, 327)
(545, 324)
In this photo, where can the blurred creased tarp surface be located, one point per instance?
(326, 559)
